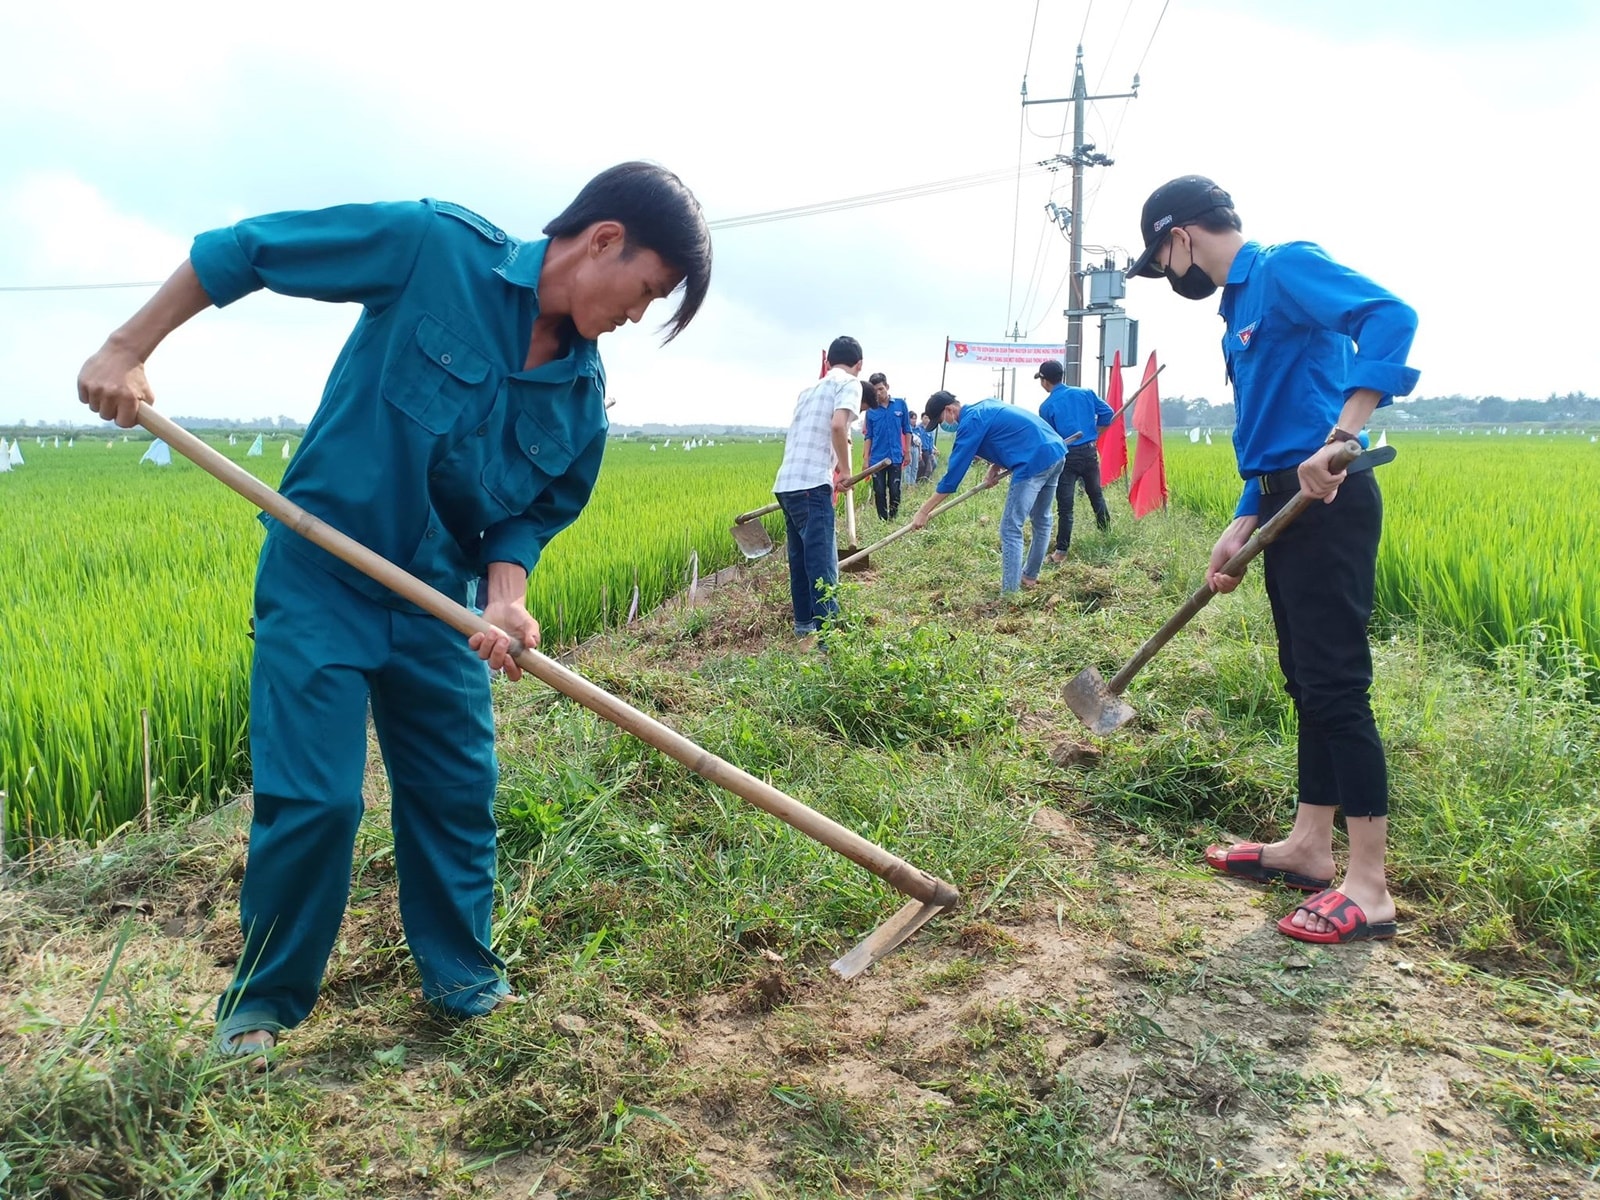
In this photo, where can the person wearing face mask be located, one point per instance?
(1312, 348)
(1007, 438)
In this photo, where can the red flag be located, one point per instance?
(1148, 489)
(823, 374)
(1114, 441)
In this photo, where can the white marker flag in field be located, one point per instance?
(1383, 440)
(16, 455)
(232, 441)
(159, 453)
(1001, 354)
(255, 448)
(286, 448)
(1194, 436)
(5, 456)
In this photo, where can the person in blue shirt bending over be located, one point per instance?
(1312, 348)
(881, 426)
(1074, 411)
(460, 430)
(1007, 438)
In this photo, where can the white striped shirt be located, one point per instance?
(808, 458)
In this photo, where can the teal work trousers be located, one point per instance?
(322, 652)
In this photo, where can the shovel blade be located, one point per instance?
(851, 559)
(1095, 704)
(885, 938)
(752, 538)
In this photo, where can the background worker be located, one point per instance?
(1312, 348)
(814, 457)
(461, 429)
(1069, 411)
(884, 443)
(1008, 438)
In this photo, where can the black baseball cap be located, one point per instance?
(937, 403)
(1051, 371)
(1176, 202)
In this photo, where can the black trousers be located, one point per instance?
(1320, 578)
(886, 491)
(1083, 462)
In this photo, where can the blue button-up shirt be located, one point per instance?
(431, 445)
(1303, 333)
(883, 433)
(902, 413)
(1070, 410)
(1003, 434)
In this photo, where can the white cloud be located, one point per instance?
(1444, 168)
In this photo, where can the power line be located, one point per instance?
(890, 196)
(79, 287)
(1152, 40)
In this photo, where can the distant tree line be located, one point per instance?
(1180, 412)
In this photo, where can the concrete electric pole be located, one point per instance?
(1083, 155)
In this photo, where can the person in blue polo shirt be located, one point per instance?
(1312, 348)
(461, 429)
(882, 429)
(1074, 412)
(1007, 438)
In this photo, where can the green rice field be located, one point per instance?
(128, 587)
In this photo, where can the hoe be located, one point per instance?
(929, 895)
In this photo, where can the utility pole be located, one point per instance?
(1083, 155)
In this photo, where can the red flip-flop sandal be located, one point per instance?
(1349, 923)
(1243, 861)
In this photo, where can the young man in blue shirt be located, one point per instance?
(1312, 348)
(1069, 411)
(881, 427)
(1007, 438)
(460, 430)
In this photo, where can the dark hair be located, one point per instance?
(844, 352)
(1218, 220)
(937, 403)
(869, 395)
(878, 377)
(657, 212)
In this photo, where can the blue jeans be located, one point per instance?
(913, 460)
(1029, 498)
(813, 556)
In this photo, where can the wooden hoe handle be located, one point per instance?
(892, 869)
(1263, 537)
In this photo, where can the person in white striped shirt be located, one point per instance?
(814, 458)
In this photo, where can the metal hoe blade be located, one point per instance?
(1096, 705)
(886, 937)
(752, 538)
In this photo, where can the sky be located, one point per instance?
(1436, 146)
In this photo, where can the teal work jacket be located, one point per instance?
(431, 444)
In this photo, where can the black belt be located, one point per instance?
(1280, 482)
(1287, 482)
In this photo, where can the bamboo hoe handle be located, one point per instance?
(744, 518)
(1259, 541)
(905, 529)
(894, 870)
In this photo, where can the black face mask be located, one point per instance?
(1193, 284)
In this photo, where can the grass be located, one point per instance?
(672, 942)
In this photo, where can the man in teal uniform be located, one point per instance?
(461, 429)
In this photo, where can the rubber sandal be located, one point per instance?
(1243, 861)
(229, 1047)
(1350, 924)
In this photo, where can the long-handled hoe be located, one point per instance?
(1099, 704)
(929, 894)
